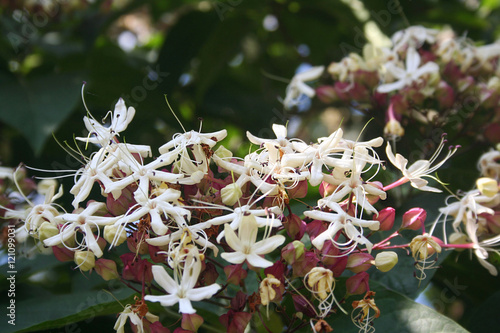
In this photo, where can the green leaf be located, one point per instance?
(37, 106)
(400, 314)
(60, 310)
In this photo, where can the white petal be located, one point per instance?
(388, 87)
(279, 130)
(185, 306)
(258, 261)
(198, 294)
(234, 257)
(412, 60)
(232, 240)
(165, 300)
(161, 276)
(268, 245)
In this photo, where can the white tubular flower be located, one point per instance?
(298, 86)
(412, 73)
(183, 291)
(97, 169)
(340, 220)
(245, 245)
(165, 204)
(354, 183)
(84, 221)
(481, 248)
(101, 135)
(41, 213)
(413, 36)
(421, 168)
(489, 164)
(182, 140)
(264, 218)
(129, 313)
(143, 174)
(469, 207)
(197, 235)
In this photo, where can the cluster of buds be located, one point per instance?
(427, 76)
(195, 219)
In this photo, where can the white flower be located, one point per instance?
(421, 168)
(481, 248)
(183, 291)
(129, 313)
(101, 135)
(245, 245)
(84, 221)
(413, 36)
(165, 204)
(412, 73)
(340, 220)
(298, 86)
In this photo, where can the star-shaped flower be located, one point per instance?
(245, 245)
(183, 291)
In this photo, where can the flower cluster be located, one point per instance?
(427, 76)
(190, 222)
(196, 220)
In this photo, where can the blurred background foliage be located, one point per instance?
(224, 61)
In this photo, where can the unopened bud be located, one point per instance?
(231, 194)
(385, 261)
(47, 230)
(393, 129)
(293, 252)
(487, 186)
(326, 189)
(326, 94)
(85, 260)
(357, 284)
(114, 234)
(386, 218)
(414, 219)
(106, 268)
(359, 262)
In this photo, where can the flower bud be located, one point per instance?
(487, 186)
(191, 322)
(393, 129)
(235, 273)
(111, 234)
(359, 262)
(85, 260)
(294, 226)
(357, 284)
(267, 289)
(326, 94)
(231, 194)
(293, 252)
(303, 306)
(414, 219)
(106, 268)
(386, 218)
(320, 280)
(47, 230)
(385, 261)
(62, 253)
(299, 191)
(326, 189)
